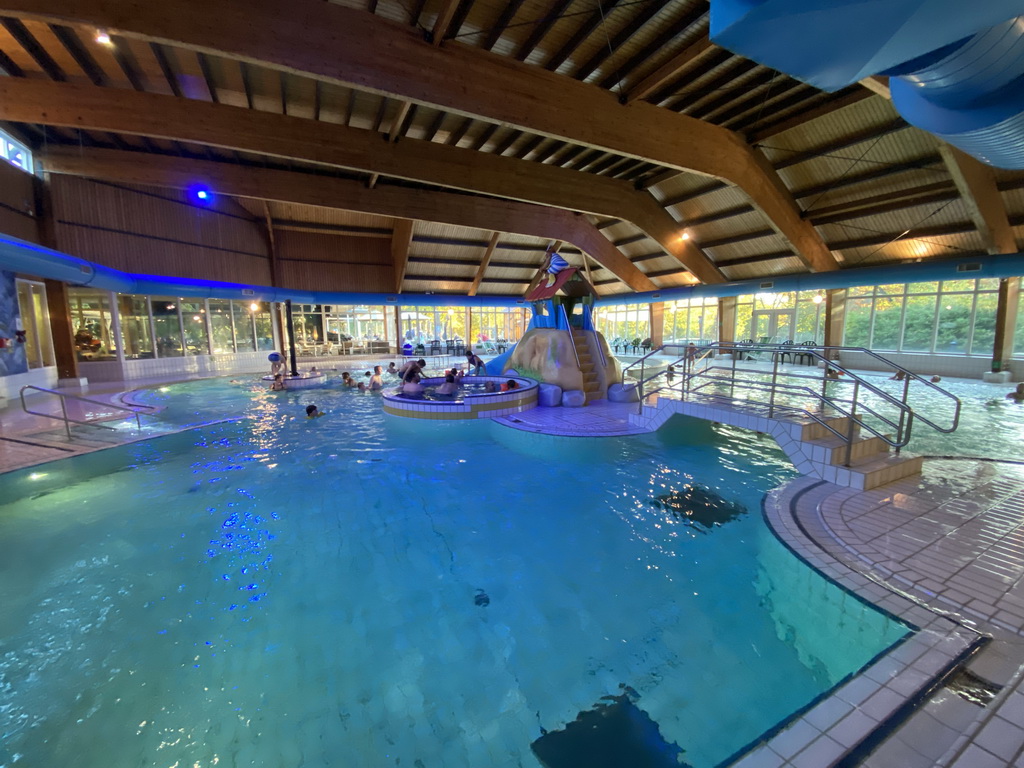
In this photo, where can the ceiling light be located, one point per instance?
(684, 236)
(103, 38)
(254, 306)
(818, 298)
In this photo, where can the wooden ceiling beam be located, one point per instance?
(483, 263)
(976, 183)
(352, 48)
(351, 148)
(668, 71)
(443, 22)
(350, 195)
(401, 239)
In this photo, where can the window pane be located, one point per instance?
(709, 330)
(954, 326)
(858, 323)
(888, 316)
(193, 317)
(744, 312)
(1018, 334)
(922, 288)
(957, 285)
(220, 322)
(136, 340)
(168, 331)
(93, 323)
(244, 339)
(984, 335)
(264, 326)
(920, 324)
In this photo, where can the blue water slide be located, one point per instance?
(955, 68)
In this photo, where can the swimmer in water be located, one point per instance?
(1017, 395)
(312, 412)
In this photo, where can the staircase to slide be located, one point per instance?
(833, 424)
(593, 386)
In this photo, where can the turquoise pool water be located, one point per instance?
(279, 591)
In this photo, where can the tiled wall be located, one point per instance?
(930, 365)
(10, 386)
(12, 357)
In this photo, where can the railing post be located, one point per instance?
(903, 413)
(775, 380)
(64, 413)
(853, 423)
(732, 378)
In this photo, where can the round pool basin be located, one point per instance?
(464, 404)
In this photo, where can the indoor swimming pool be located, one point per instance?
(282, 591)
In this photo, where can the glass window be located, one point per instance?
(167, 326)
(14, 152)
(92, 320)
(888, 322)
(34, 319)
(744, 316)
(136, 337)
(809, 314)
(220, 325)
(245, 338)
(919, 324)
(263, 318)
(954, 327)
(983, 338)
(193, 321)
(857, 323)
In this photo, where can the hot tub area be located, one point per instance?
(465, 404)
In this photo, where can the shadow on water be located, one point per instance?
(699, 507)
(616, 732)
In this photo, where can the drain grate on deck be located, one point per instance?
(615, 733)
(969, 687)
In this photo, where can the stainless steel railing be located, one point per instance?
(68, 421)
(565, 316)
(849, 397)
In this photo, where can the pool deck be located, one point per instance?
(943, 551)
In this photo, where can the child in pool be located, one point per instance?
(312, 412)
(278, 384)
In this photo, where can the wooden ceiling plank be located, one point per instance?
(275, 135)
(69, 39)
(28, 42)
(585, 29)
(483, 263)
(668, 71)
(306, 189)
(396, 124)
(165, 67)
(344, 45)
(835, 102)
(401, 239)
(618, 40)
(541, 28)
(976, 183)
(507, 14)
(697, 14)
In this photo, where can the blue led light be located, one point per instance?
(200, 194)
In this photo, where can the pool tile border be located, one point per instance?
(846, 723)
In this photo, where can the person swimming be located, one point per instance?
(376, 381)
(449, 387)
(391, 369)
(1017, 395)
(347, 380)
(411, 382)
(510, 385)
(278, 383)
(312, 412)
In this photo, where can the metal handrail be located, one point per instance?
(846, 407)
(68, 421)
(572, 341)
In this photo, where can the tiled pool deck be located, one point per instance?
(944, 552)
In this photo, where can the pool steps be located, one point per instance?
(813, 449)
(593, 388)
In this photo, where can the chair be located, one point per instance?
(435, 347)
(780, 355)
(645, 345)
(802, 355)
(635, 344)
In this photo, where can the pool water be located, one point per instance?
(280, 591)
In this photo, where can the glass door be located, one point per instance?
(35, 321)
(773, 326)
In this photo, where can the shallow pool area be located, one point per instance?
(354, 589)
